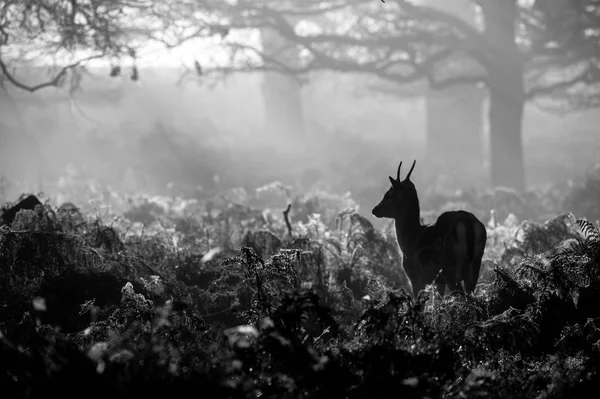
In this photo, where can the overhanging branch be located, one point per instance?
(382, 68)
(457, 81)
(50, 83)
(589, 75)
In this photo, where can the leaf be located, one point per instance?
(587, 230)
(115, 71)
(210, 254)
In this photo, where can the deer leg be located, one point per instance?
(473, 275)
(453, 282)
(459, 255)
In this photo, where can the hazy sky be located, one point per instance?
(207, 51)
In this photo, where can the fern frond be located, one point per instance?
(576, 248)
(578, 275)
(335, 243)
(587, 230)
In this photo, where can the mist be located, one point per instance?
(300, 199)
(158, 136)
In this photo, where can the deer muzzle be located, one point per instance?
(377, 211)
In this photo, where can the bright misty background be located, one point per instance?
(173, 133)
(187, 219)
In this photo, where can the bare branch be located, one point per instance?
(588, 75)
(401, 43)
(55, 81)
(286, 217)
(406, 43)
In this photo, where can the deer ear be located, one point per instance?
(393, 181)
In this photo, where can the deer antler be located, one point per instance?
(398, 174)
(410, 171)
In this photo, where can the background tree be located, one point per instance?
(62, 36)
(454, 119)
(521, 51)
(545, 52)
(284, 114)
(46, 44)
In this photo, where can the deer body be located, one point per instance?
(448, 252)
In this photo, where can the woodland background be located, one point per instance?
(205, 213)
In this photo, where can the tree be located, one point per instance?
(545, 51)
(47, 43)
(284, 113)
(454, 118)
(62, 36)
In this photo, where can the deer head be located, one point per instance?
(400, 200)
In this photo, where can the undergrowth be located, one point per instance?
(227, 298)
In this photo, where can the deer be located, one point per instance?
(447, 252)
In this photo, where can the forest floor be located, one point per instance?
(154, 296)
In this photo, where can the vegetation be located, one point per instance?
(222, 296)
(250, 290)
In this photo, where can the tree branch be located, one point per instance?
(55, 81)
(589, 75)
(403, 45)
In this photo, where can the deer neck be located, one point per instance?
(408, 230)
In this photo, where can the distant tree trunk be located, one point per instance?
(454, 133)
(15, 142)
(454, 119)
(284, 113)
(506, 94)
(506, 147)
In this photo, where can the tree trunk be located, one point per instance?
(454, 134)
(454, 120)
(15, 142)
(284, 113)
(506, 148)
(506, 94)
